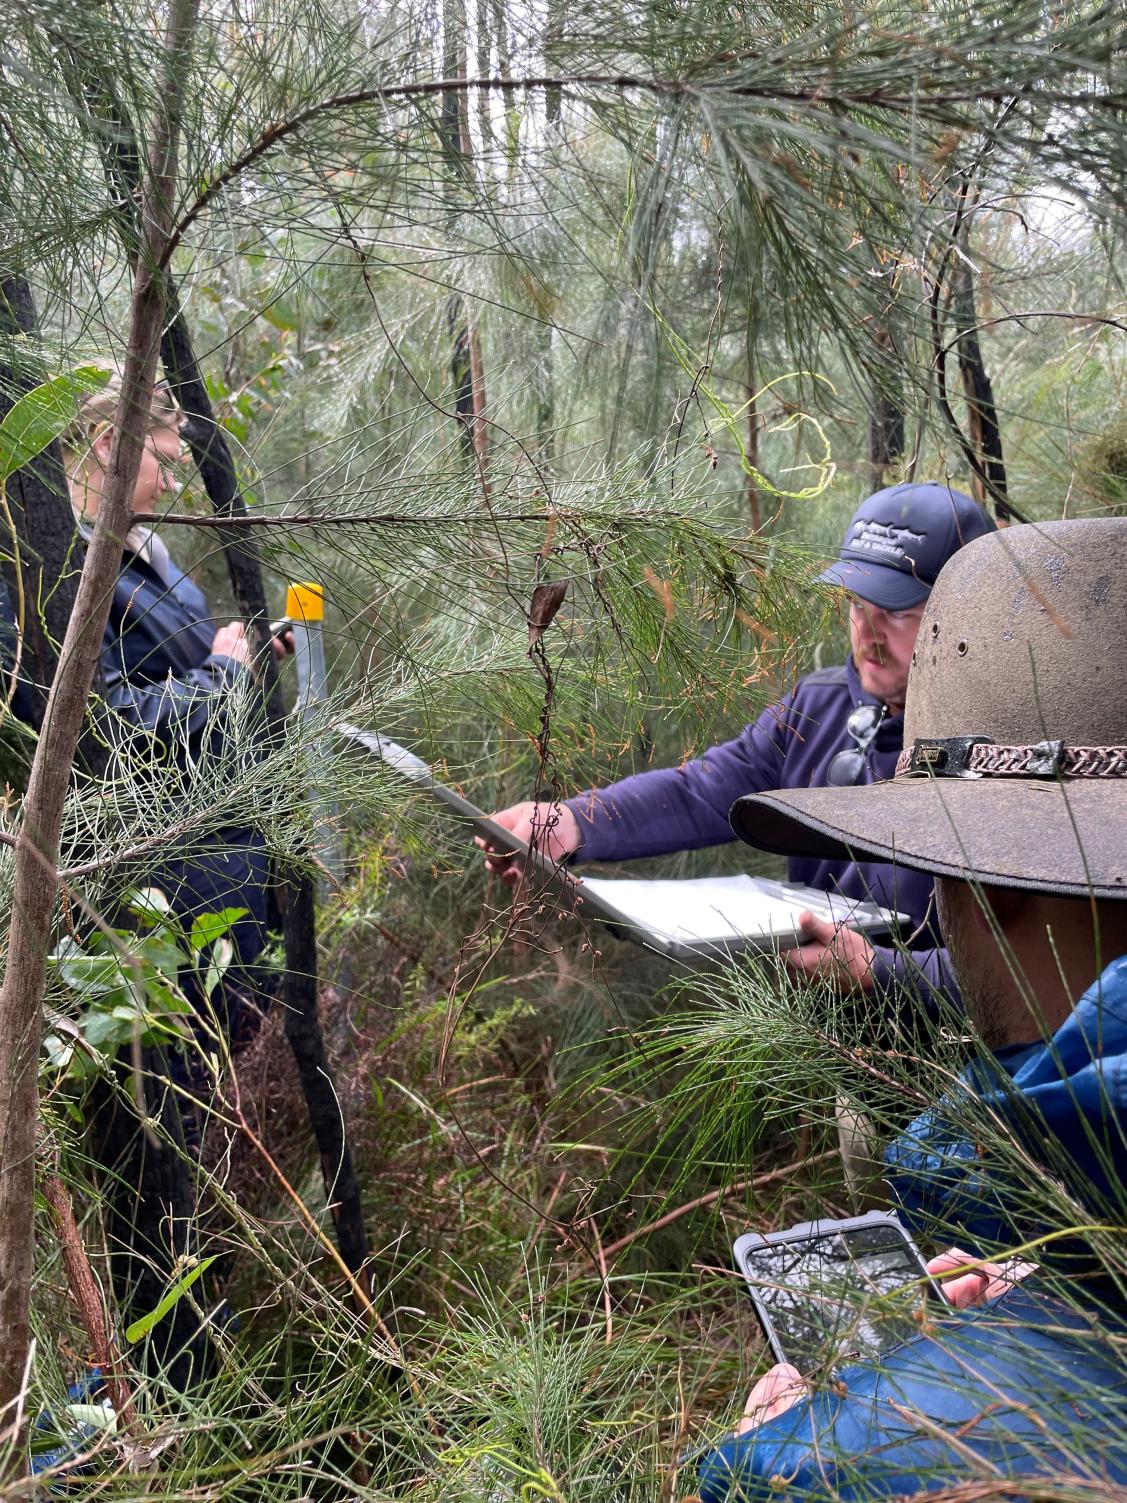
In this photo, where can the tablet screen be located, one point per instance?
(849, 1293)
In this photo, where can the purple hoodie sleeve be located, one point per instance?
(924, 976)
(681, 808)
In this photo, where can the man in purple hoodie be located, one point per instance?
(837, 727)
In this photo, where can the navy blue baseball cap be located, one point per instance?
(900, 538)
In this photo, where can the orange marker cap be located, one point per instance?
(305, 602)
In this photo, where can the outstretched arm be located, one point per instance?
(651, 813)
(682, 808)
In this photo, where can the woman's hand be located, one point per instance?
(230, 641)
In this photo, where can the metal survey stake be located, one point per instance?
(305, 616)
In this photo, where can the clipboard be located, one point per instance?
(694, 919)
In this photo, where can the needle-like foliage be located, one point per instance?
(490, 298)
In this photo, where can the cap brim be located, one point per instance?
(891, 589)
(1067, 838)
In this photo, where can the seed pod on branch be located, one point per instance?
(546, 601)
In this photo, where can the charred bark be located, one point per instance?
(886, 419)
(466, 366)
(984, 429)
(41, 558)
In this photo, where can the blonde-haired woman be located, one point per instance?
(165, 665)
(167, 672)
(154, 599)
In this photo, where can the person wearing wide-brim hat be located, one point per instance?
(1012, 791)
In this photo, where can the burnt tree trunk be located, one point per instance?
(886, 421)
(466, 366)
(988, 477)
(41, 558)
(982, 447)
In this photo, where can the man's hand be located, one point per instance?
(551, 828)
(833, 952)
(282, 643)
(231, 642)
(986, 1283)
(778, 1388)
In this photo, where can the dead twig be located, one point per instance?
(88, 1298)
(710, 1199)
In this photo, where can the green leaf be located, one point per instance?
(90, 975)
(141, 1328)
(149, 904)
(107, 1028)
(42, 414)
(208, 927)
(161, 953)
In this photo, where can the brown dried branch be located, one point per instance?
(88, 1298)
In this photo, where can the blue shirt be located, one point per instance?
(1030, 1386)
(161, 678)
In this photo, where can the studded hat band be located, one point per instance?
(979, 757)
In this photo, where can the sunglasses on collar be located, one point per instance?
(846, 767)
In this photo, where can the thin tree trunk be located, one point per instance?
(485, 99)
(88, 1298)
(982, 450)
(466, 365)
(886, 437)
(37, 848)
(477, 387)
(545, 388)
(303, 1031)
(886, 423)
(982, 413)
(754, 503)
(508, 93)
(553, 29)
(461, 370)
(885, 415)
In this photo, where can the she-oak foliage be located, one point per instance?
(633, 191)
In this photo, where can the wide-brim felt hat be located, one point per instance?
(1014, 770)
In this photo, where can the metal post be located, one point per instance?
(305, 611)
